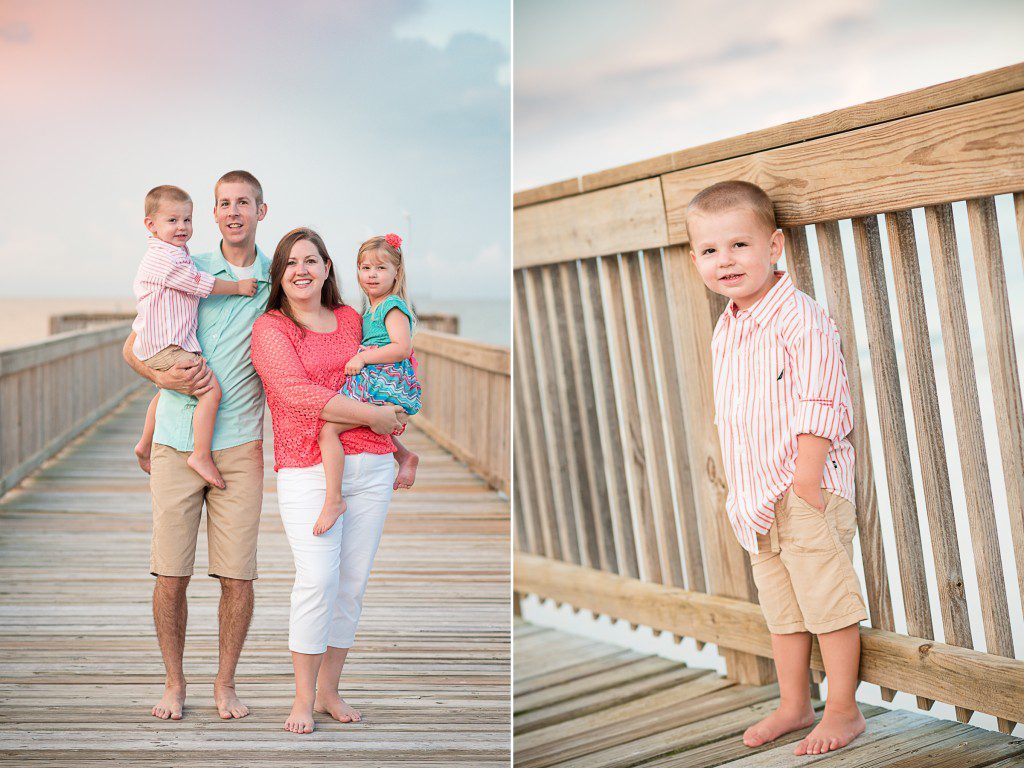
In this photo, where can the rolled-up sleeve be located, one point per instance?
(823, 389)
(277, 362)
(170, 269)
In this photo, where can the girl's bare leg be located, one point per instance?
(203, 421)
(145, 446)
(407, 463)
(334, 467)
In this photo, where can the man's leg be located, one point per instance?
(170, 614)
(234, 615)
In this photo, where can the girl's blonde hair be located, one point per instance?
(394, 255)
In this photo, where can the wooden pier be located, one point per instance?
(80, 667)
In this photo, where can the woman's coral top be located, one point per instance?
(301, 371)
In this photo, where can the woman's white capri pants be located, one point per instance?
(331, 570)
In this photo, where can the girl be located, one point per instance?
(382, 371)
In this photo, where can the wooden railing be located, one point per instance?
(619, 486)
(466, 401)
(79, 320)
(52, 390)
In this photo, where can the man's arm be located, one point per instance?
(187, 378)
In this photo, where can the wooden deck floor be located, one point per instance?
(589, 704)
(80, 667)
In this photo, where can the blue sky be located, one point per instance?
(351, 114)
(600, 83)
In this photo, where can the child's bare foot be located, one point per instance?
(301, 718)
(330, 703)
(782, 720)
(142, 450)
(170, 706)
(407, 463)
(329, 516)
(206, 469)
(838, 727)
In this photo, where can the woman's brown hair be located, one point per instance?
(330, 295)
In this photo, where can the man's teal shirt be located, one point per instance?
(225, 337)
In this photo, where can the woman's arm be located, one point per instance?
(397, 323)
(382, 419)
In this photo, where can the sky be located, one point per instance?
(359, 118)
(601, 83)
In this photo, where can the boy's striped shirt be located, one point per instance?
(778, 372)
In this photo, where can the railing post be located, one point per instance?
(728, 568)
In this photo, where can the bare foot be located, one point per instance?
(777, 723)
(301, 718)
(227, 702)
(407, 463)
(838, 727)
(205, 468)
(332, 704)
(142, 450)
(329, 516)
(170, 706)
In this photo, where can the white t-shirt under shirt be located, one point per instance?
(243, 273)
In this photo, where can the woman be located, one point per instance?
(300, 348)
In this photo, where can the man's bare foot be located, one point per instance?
(838, 727)
(205, 468)
(329, 516)
(407, 463)
(777, 723)
(227, 702)
(301, 718)
(330, 703)
(142, 450)
(170, 706)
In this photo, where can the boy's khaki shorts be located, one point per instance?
(808, 583)
(232, 513)
(166, 358)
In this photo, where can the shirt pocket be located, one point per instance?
(771, 374)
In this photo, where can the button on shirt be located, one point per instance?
(225, 335)
(778, 373)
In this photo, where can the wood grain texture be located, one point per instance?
(81, 668)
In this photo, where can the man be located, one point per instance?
(233, 513)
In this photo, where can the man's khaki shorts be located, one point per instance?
(167, 357)
(808, 583)
(232, 513)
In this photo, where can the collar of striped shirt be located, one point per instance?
(766, 308)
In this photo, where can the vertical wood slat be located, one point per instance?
(727, 563)
(924, 401)
(837, 292)
(652, 424)
(970, 438)
(539, 468)
(608, 419)
(567, 435)
(798, 259)
(526, 504)
(630, 428)
(540, 352)
(672, 380)
(1002, 360)
(896, 450)
(586, 414)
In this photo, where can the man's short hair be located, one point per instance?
(165, 193)
(240, 177)
(728, 195)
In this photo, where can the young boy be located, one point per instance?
(168, 288)
(782, 403)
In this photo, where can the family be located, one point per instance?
(224, 334)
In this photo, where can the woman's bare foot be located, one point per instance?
(838, 727)
(228, 704)
(329, 516)
(205, 468)
(301, 718)
(173, 701)
(407, 463)
(330, 703)
(782, 720)
(142, 450)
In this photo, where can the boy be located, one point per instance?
(782, 403)
(168, 288)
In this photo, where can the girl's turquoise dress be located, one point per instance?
(382, 383)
